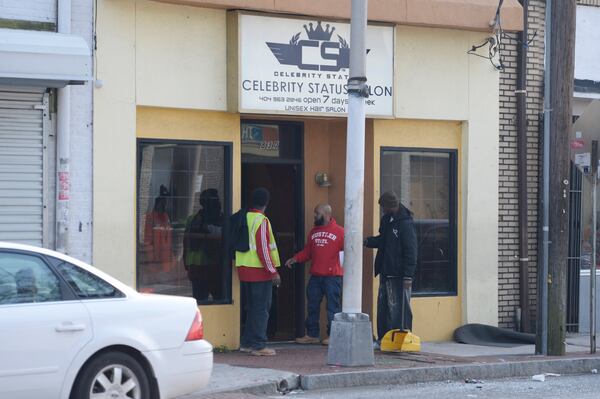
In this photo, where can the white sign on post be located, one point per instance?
(301, 66)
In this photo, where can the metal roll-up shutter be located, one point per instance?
(23, 115)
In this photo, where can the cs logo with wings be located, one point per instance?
(335, 54)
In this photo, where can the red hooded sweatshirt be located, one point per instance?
(323, 247)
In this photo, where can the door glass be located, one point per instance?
(425, 182)
(264, 141)
(26, 279)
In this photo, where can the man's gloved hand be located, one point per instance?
(276, 280)
(407, 283)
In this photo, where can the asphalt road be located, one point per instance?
(571, 387)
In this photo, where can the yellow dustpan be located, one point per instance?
(400, 341)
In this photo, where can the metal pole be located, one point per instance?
(351, 338)
(593, 269)
(546, 182)
(355, 161)
(594, 170)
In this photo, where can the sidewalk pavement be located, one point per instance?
(295, 366)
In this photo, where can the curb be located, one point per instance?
(284, 385)
(445, 373)
(273, 387)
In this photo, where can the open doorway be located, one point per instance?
(272, 158)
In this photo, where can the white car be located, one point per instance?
(70, 331)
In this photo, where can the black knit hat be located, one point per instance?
(260, 197)
(389, 200)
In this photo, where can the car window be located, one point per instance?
(26, 279)
(85, 284)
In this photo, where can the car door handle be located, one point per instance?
(70, 327)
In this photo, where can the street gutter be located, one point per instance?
(404, 376)
(581, 365)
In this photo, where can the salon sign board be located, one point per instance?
(301, 66)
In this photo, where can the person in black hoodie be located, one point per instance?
(395, 263)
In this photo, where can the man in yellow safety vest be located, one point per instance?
(257, 269)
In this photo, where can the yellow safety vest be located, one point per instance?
(250, 258)
(207, 251)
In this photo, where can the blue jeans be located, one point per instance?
(331, 288)
(257, 303)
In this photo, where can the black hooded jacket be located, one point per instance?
(396, 245)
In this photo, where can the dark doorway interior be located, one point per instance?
(283, 178)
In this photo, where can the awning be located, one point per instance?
(46, 59)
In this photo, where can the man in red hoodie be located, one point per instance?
(323, 247)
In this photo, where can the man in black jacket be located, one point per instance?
(395, 263)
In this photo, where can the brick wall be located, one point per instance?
(29, 10)
(508, 267)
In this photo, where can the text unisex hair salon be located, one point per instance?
(201, 105)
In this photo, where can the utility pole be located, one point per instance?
(560, 43)
(521, 94)
(351, 338)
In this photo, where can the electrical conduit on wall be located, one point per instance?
(63, 144)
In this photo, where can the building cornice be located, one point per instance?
(456, 14)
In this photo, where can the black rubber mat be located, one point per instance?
(480, 334)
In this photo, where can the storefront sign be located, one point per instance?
(301, 67)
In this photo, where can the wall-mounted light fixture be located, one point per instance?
(322, 179)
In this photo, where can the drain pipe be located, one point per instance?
(521, 94)
(63, 144)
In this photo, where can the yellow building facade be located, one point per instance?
(172, 130)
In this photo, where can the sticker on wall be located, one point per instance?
(584, 161)
(64, 186)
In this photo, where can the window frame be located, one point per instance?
(228, 147)
(66, 292)
(452, 207)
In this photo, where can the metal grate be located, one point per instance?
(574, 258)
(22, 118)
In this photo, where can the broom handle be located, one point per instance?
(403, 305)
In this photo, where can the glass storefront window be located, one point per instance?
(425, 180)
(183, 207)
